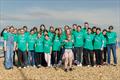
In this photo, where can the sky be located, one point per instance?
(101, 13)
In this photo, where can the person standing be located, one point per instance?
(9, 48)
(39, 50)
(56, 48)
(78, 44)
(22, 49)
(47, 50)
(31, 48)
(111, 44)
(98, 46)
(88, 55)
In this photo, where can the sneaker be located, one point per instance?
(65, 70)
(88, 65)
(28, 66)
(114, 64)
(24, 67)
(39, 65)
(71, 69)
(19, 67)
(34, 66)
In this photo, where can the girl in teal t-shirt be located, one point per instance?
(39, 50)
(47, 47)
(56, 48)
(31, 48)
(105, 46)
(22, 48)
(98, 46)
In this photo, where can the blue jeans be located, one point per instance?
(9, 57)
(113, 47)
(31, 57)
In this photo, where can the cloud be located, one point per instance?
(96, 16)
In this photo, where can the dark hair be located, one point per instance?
(79, 26)
(40, 32)
(46, 30)
(11, 27)
(74, 25)
(104, 30)
(89, 28)
(25, 27)
(41, 27)
(35, 28)
(46, 35)
(110, 27)
(31, 30)
(94, 27)
(98, 29)
(86, 23)
(3, 31)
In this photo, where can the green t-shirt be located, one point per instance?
(78, 37)
(56, 43)
(10, 38)
(5, 36)
(22, 42)
(69, 44)
(88, 41)
(105, 41)
(39, 44)
(31, 42)
(15, 37)
(51, 35)
(84, 30)
(47, 45)
(111, 37)
(98, 41)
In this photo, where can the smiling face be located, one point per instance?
(22, 31)
(104, 32)
(98, 31)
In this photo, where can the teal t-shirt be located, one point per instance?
(22, 42)
(98, 41)
(47, 45)
(78, 37)
(31, 41)
(88, 41)
(69, 44)
(111, 37)
(51, 35)
(39, 44)
(56, 43)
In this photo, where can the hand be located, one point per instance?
(66, 40)
(101, 49)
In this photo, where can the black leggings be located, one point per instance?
(104, 54)
(88, 57)
(98, 56)
(38, 59)
(22, 58)
(55, 57)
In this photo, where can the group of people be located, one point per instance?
(82, 46)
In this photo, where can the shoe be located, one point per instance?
(65, 70)
(71, 69)
(8, 68)
(19, 67)
(88, 65)
(34, 66)
(37, 66)
(114, 64)
(24, 67)
(28, 66)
